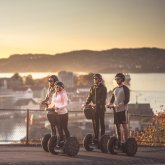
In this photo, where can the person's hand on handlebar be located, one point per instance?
(110, 106)
(57, 108)
(93, 105)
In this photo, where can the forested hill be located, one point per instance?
(140, 60)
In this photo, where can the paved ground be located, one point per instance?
(21, 155)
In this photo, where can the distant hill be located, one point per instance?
(139, 60)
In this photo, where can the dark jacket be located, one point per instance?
(97, 95)
(127, 95)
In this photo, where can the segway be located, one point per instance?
(45, 139)
(89, 142)
(51, 144)
(44, 142)
(70, 147)
(129, 147)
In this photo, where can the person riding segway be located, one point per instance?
(94, 110)
(59, 144)
(119, 102)
(51, 116)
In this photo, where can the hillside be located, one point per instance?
(140, 60)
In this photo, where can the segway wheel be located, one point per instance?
(103, 143)
(44, 142)
(71, 146)
(87, 141)
(52, 144)
(111, 145)
(131, 146)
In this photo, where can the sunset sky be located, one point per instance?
(56, 26)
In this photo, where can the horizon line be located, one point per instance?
(80, 50)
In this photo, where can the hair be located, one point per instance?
(121, 75)
(59, 83)
(54, 77)
(98, 76)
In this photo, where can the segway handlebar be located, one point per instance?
(111, 107)
(50, 109)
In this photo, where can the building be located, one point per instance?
(140, 109)
(127, 79)
(6, 95)
(140, 116)
(67, 78)
(22, 93)
(4, 83)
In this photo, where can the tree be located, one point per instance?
(84, 80)
(29, 80)
(15, 81)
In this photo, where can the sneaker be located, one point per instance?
(57, 145)
(95, 141)
(118, 144)
(123, 147)
(61, 143)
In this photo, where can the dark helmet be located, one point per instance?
(120, 75)
(97, 75)
(54, 77)
(59, 83)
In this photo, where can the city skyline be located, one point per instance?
(52, 26)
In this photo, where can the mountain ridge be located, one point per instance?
(132, 60)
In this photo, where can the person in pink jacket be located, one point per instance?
(59, 103)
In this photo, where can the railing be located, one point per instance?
(28, 126)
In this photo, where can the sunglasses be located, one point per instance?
(57, 87)
(50, 81)
(118, 78)
(96, 78)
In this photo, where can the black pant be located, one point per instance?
(99, 119)
(64, 126)
(61, 122)
(54, 122)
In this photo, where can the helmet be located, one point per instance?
(59, 83)
(99, 76)
(54, 77)
(121, 75)
(89, 112)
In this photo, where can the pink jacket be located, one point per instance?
(60, 101)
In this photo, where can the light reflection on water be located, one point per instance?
(12, 130)
(18, 132)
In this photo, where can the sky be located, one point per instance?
(56, 26)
